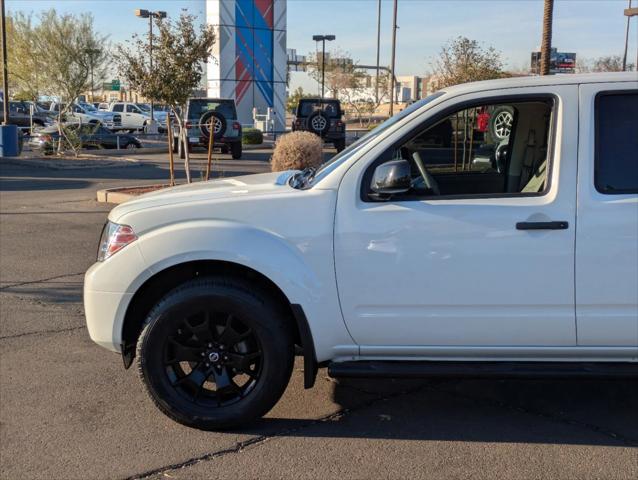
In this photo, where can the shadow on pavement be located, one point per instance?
(572, 412)
(18, 184)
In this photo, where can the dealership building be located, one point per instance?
(250, 57)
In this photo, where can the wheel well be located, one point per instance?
(163, 282)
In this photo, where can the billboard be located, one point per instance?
(250, 56)
(559, 62)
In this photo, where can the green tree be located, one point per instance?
(341, 72)
(180, 50)
(66, 47)
(24, 63)
(294, 97)
(463, 60)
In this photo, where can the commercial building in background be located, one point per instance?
(559, 62)
(250, 55)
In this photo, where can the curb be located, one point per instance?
(92, 162)
(117, 195)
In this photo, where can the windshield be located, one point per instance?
(144, 107)
(338, 159)
(88, 107)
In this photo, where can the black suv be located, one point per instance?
(201, 113)
(322, 117)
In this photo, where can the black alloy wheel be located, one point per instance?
(215, 354)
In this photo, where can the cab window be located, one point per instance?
(488, 149)
(616, 164)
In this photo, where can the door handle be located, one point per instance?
(542, 225)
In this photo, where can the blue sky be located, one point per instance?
(590, 28)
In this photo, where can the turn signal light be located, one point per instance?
(114, 238)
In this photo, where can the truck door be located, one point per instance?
(480, 252)
(607, 227)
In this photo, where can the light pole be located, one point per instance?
(376, 87)
(323, 39)
(150, 15)
(5, 69)
(394, 48)
(92, 53)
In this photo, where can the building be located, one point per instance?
(250, 57)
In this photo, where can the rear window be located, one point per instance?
(196, 108)
(616, 163)
(307, 107)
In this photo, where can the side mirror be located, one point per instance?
(391, 178)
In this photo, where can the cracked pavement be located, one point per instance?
(68, 410)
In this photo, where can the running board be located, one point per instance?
(420, 369)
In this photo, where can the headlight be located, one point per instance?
(114, 238)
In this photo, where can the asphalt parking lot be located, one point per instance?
(68, 409)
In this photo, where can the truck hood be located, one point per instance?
(226, 188)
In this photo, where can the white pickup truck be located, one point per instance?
(427, 248)
(136, 116)
(87, 113)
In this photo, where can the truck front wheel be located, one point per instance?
(215, 353)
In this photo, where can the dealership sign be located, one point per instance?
(559, 62)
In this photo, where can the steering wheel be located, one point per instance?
(428, 179)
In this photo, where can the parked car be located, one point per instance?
(87, 113)
(382, 263)
(322, 117)
(92, 136)
(200, 112)
(20, 115)
(136, 116)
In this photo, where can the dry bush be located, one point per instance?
(296, 151)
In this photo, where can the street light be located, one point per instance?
(323, 39)
(150, 15)
(92, 53)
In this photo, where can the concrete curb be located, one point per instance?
(93, 162)
(117, 195)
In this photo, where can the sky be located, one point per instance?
(590, 28)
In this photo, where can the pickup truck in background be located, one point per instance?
(136, 116)
(507, 255)
(87, 113)
(20, 115)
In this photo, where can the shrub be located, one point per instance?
(296, 151)
(252, 136)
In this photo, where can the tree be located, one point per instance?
(54, 57)
(294, 97)
(546, 40)
(610, 63)
(463, 60)
(341, 72)
(180, 51)
(24, 62)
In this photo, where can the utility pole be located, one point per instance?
(150, 15)
(376, 84)
(546, 44)
(323, 39)
(5, 69)
(629, 12)
(394, 48)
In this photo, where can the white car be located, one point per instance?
(136, 116)
(404, 256)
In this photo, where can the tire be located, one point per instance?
(318, 123)
(219, 122)
(181, 353)
(236, 150)
(501, 121)
(340, 145)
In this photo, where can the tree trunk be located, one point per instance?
(187, 155)
(546, 44)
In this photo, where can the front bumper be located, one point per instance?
(109, 287)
